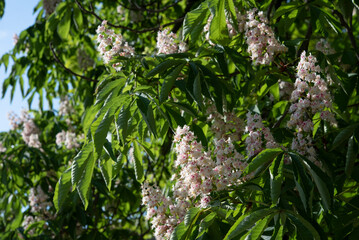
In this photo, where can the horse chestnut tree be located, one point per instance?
(184, 119)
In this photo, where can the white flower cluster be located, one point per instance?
(69, 139)
(111, 45)
(309, 97)
(324, 47)
(30, 134)
(262, 44)
(50, 5)
(65, 107)
(227, 125)
(39, 207)
(200, 173)
(166, 43)
(259, 137)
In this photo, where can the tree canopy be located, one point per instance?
(196, 119)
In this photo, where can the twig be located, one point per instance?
(349, 30)
(139, 8)
(67, 69)
(92, 12)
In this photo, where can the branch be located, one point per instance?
(139, 8)
(68, 70)
(349, 30)
(92, 12)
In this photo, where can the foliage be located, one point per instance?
(118, 125)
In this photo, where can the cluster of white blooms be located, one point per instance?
(40, 204)
(323, 46)
(2, 148)
(227, 125)
(304, 146)
(166, 42)
(259, 137)
(50, 5)
(262, 44)
(111, 45)
(69, 139)
(310, 96)
(30, 133)
(200, 173)
(65, 107)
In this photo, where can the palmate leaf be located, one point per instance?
(163, 66)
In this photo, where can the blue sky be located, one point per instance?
(18, 16)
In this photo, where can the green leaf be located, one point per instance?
(263, 157)
(62, 188)
(122, 121)
(344, 135)
(81, 172)
(79, 163)
(321, 180)
(78, 19)
(194, 22)
(147, 113)
(285, 9)
(191, 215)
(197, 91)
(276, 178)
(304, 228)
(244, 223)
(83, 185)
(2, 8)
(106, 171)
(63, 28)
(256, 232)
(168, 83)
(165, 65)
(179, 232)
(303, 183)
(138, 162)
(218, 28)
(351, 156)
(100, 130)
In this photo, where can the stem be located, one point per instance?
(67, 69)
